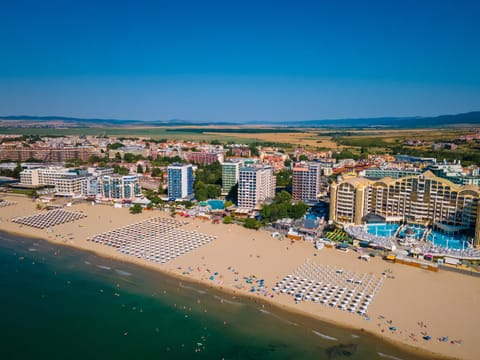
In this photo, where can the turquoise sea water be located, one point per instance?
(61, 303)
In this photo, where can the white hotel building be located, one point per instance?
(256, 184)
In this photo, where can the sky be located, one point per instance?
(239, 60)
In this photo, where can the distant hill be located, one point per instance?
(466, 119)
(470, 118)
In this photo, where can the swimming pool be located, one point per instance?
(414, 231)
(447, 241)
(382, 229)
(216, 204)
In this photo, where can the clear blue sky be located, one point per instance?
(239, 60)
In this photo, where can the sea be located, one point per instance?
(57, 302)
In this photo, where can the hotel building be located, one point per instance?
(255, 185)
(230, 174)
(180, 181)
(116, 187)
(424, 198)
(306, 181)
(66, 182)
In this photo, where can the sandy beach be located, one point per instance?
(416, 302)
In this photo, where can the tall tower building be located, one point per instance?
(255, 185)
(306, 181)
(180, 181)
(230, 174)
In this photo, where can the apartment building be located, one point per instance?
(256, 184)
(180, 181)
(306, 179)
(116, 187)
(230, 174)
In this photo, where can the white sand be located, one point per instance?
(447, 303)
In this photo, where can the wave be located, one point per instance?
(227, 301)
(104, 267)
(193, 288)
(266, 312)
(324, 336)
(355, 336)
(32, 249)
(388, 356)
(121, 272)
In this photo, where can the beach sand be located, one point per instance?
(415, 301)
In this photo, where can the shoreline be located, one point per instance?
(172, 269)
(185, 282)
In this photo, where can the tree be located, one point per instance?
(114, 146)
(287, 163)
(227, 219)
(298, 210)
(284, 178)
(136, 209)
(283, 196)
(233, 194)
(156, 172)
(139, 169)
(120, 170)
(254, 150)
(251, 223)
(227, 204)
(303, 158)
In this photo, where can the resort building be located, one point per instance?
(132, 149)
(67, 182)
(46, 153)
(375, 173)
(255, 185)
(180, 181)
(306, 181)
(425, 199)
(203, 157)
(116, 187)
(230, 174)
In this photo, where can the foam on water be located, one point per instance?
(386, 356)
(121, 272)
(104, 267)
(323, 336)
(228, 301)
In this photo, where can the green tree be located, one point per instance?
(251, 223)
(139, 169)
(254, 150)
(136, 209)
(298, 210)
(283, 196)
(120, 170)
(156, 172)
(284, 178)
(114, 146)
(227, 219)
(233, 194)
(200, 190)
